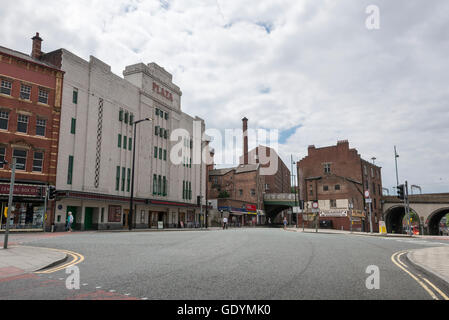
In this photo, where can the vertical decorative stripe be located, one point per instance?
(99, 135)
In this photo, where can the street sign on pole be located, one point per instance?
(10, 200)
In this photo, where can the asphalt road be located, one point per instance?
(233, 264)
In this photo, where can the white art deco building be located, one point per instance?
(96, 141)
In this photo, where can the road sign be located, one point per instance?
(297, 210)
(315, 205)
(366, 194)
(369, 200)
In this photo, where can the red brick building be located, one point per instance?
(337, 177)
(30, 108)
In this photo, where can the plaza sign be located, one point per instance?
(163, 92)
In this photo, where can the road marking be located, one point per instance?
(77, 258)
(396, 260)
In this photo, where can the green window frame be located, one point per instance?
(70, 170)
(119, 142)
(73, 126)
(161, 132)
(165, 155)
(155, 152)
(154, 184)
(125, 139)
(159, 185)
(117, 179)
(190, 190)
(162, 114)
(156, 130)
(123, 178)
(157, 111)
(183, 189)
(130, 143)
(164, 189)
(160, 153)
(128, 182)
(166, 116)
(120, 115)
(166, 135)
(126, 117)
(131, 119)
(75, 96)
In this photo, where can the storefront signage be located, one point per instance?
(333, 213)
(21, 190)
(163, 92)
(358, 213)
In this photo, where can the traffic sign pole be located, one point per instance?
(11, 193)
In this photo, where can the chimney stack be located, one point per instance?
(245, 140)
(36, 52)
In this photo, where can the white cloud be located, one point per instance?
(281, 64)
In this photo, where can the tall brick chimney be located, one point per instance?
(36, 52)
(245, 140)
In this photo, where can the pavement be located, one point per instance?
(333, 231)
(434, 260)
(17, 260)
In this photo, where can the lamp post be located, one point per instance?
(396, 156)
(11, 193)
(294, 188)
(130, 217)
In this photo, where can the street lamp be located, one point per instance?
(130, 216)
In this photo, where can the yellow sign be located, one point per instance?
(382, 227)
(6, 212)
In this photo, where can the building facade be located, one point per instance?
(336, 177)
(30, 109)
(99, 111)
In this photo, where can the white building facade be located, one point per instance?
(94, 169)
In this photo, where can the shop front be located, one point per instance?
(27, 211)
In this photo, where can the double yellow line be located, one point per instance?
(77, 258)
(423, 282)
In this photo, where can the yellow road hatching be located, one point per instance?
(396, 260)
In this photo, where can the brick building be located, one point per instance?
(240, 190)
(337, 178)
(30, 108)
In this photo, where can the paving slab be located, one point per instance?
(434, 260)
(21, 259)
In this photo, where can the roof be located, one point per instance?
(239, 169)
(26, 57)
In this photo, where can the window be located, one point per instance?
(327, 168)
(120, 115)
(73, 126)
(38, 161)
(156, 130)
(159, 185)
(253, 192)
(125, 139)
(128, 182)
(372, 172)
(157, 111)
(126, 117)
(183, 189)
(333, 203)
(25, 92)
(43, 96)
(160, 153)
(119, 141)
(337, 187)
(165, 134)
(241, 192)
(123, 178)
(164, 189)
(375, 204)
(267, 187)
(325, 188)
(365, 171)
(2, 155)
(6, 87)
(40, 127)
(374, 188)
(161, 113)
(166, 116)
(154, 184)
(130, 140)
(161, 132)
(75, 96)
(131, 119)
(166, 131)
(4, 116)
(190, 190)
(117, 179)
(165, 155)
(22, 123)
(70, 170)
(155, 152)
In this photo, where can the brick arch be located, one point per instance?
(433, 220)
(394, 216)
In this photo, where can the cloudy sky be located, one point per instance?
(310, 68)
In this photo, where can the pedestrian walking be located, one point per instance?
(225, 223)
(69, 222)
(285, 223)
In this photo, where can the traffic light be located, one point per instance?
(301, 204)
(51, 192)
(401, 194)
